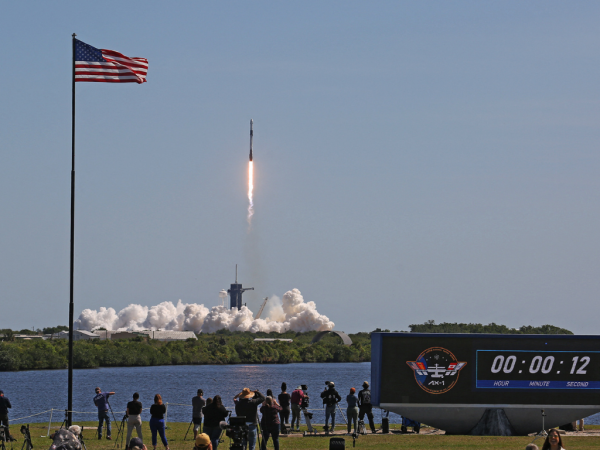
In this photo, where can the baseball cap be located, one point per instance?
(202, 440)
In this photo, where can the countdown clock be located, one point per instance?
(450, 381)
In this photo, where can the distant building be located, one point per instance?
(159, 335)
(28, 337)
(78, 335)
(272, 340)
(128, 335)
(166, 335)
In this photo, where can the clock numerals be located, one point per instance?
(585, 360)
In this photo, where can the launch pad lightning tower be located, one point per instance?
(235, 292)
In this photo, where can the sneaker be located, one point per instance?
(99, 437)
(109, 438)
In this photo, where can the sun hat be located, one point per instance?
(246, 393)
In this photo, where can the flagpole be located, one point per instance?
(70, 394)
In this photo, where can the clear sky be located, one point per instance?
(413, 160)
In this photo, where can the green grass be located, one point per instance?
(176, 432)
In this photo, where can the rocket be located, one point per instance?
(251, 134)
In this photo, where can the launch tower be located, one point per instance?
(235, 292)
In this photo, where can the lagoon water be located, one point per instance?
(32, 392)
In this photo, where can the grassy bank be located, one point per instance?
(176, 433)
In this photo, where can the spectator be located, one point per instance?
(331, 398)
(365, 406)
(214, 412)
(136, 444)
(203, 442)
(198, 403)
(531, 446)
(134, 419)
(270, 411)
(352, 411)
(4, 406)
(157, 421)
(296, 400)
(247, 407)
(284, 402)
(101, 402)
(553, 441)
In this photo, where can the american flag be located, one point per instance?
(107, 66)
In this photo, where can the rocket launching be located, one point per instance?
(251, 134)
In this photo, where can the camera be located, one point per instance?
(26, 436)
(236, 430)
(305, 400)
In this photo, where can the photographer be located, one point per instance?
(247, 407)
(296, 401)
(330, 398)
(214, 413)
(365, 406)
(4, 406)
(101, 402)
(270, 422)
(284, 402)
(198, 403)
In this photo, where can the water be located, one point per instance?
(32, 392)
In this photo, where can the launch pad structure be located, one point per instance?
(235, 292)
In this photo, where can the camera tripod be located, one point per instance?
(121, 432)
(80, 437)
(27, 445)
(3, 437)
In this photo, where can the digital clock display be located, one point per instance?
(533, 369)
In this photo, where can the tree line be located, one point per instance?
(223, 347)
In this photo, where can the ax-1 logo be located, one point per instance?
(436, 370)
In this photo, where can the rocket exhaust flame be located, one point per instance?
(250, 179)
(250, 192)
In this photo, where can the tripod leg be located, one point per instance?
(188, 430)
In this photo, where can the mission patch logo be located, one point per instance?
(436, 370)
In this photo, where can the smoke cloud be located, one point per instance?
(288, 313)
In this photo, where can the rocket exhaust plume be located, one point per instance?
(291, 312)
(250, 180)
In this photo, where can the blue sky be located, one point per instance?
(413, 160)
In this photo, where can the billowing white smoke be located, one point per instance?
(290, 313)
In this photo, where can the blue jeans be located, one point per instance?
(213, 434)
(158, 425)
(330, 411)
(251, 436)
(103, 417)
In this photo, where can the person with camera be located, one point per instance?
(296, 401)
(247, 407)
(134, 418)
(214, 412)
(330, 398)
(270, 420)
(4, 406)
(101, 402)
(198, 403)
(365, 406)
